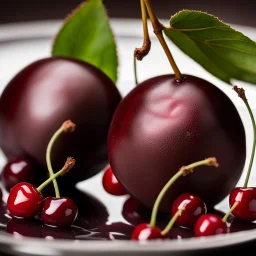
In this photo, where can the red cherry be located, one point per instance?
(111, 184)
(1, 195)
(20, 170)
(24, 201)
(144, 232)
(60, 212)
(246, 209)
(195, 207)
(209, 225)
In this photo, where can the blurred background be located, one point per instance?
(235, 11)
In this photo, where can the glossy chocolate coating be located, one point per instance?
(46, 93)
(162, 125)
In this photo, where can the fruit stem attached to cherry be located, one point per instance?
(185, 170)
(70, 162)
(158, 30)
(172, 221)
(67, 126)
(241, 94)
(224, 219)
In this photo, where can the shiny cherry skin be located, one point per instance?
(163, 124)
(111, 184)
(135, 212)
(246, 209)
(19, 170)
(24, 201)
(45, 94)
(144, 232)
(195, 207)
(59, 212)
(209, 225)
(1, 195)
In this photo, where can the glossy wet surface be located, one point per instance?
(101, 217)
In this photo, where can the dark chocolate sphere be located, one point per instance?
(162, 125)
(41, 97)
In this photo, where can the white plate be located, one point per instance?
(20, 44)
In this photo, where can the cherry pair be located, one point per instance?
(185, 211)
(26, 201)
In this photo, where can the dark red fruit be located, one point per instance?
(135, 212)
(60, 212)
(246, 209)
(20, 170)
(209, 225)
(23, 227)
(24, 201)
(145, 232)
(44, 95)
(195, 207)
(111, 184)
(162, 125)
(1, 195)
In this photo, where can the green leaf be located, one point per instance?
(221, 50)
(86, 35)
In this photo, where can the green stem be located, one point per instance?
(253, 147)
(52, 177)
(135, 70)
(224, 219)
(172, 221)
(48, 159)
(182, 172)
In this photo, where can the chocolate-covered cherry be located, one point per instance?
(243, 199)
(195, 207)
(111, 184)
(209, 225)
(21, 169)
(60, 212)
(48, 92)
(144, 232)
(26, 201)
(164, 123)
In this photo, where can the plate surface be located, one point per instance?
(20, 44)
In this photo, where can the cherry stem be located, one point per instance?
(140, 53)
(67, 126)
(172, 221)
(158, 30)
(241, 94)
(224, 219)
(135, 70)
(70, 162)
(185, 170)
